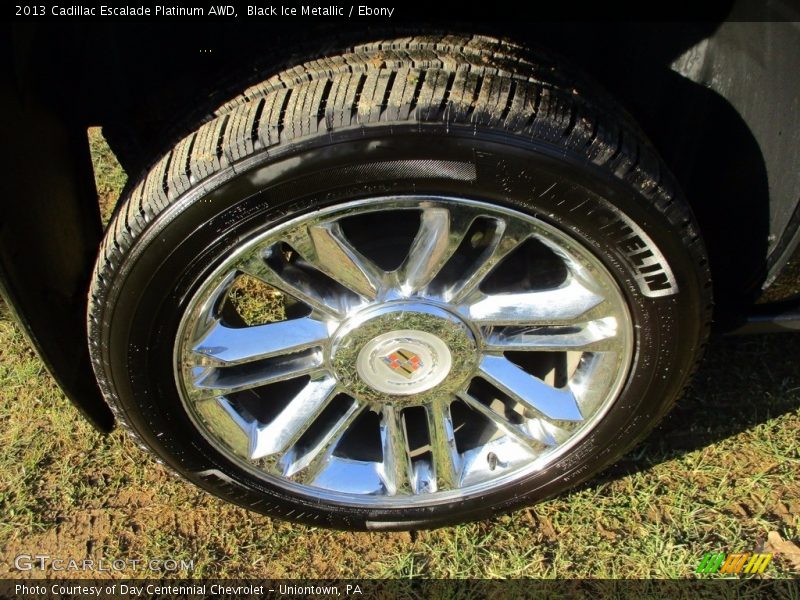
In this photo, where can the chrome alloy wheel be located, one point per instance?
(405, 351)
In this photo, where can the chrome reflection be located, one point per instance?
(446, 347)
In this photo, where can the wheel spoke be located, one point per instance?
(547, 433)
(230, 426)
(395, 471)
(285, 429)
(505, 238)
(326, 248)
(517, 431)
(596, 335)
(554, 403)
(220, 381)
(586, 385)
(424, 478)
(256, 266)
(305, 465)
(439, 235)
(208, 312)
(224, 346)
(562, 305)
(446, 459)
(536, 434)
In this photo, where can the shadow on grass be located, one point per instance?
(741, 383)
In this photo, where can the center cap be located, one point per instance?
(405, 352)
(403, 362)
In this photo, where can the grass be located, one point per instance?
(720, 474)
(109, 177)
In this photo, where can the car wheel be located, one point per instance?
(417, 283)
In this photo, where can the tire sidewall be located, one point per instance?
(184, 244)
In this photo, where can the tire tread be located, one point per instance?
(474, 80)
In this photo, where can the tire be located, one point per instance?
(572, 278)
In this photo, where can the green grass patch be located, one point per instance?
(109, 178)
